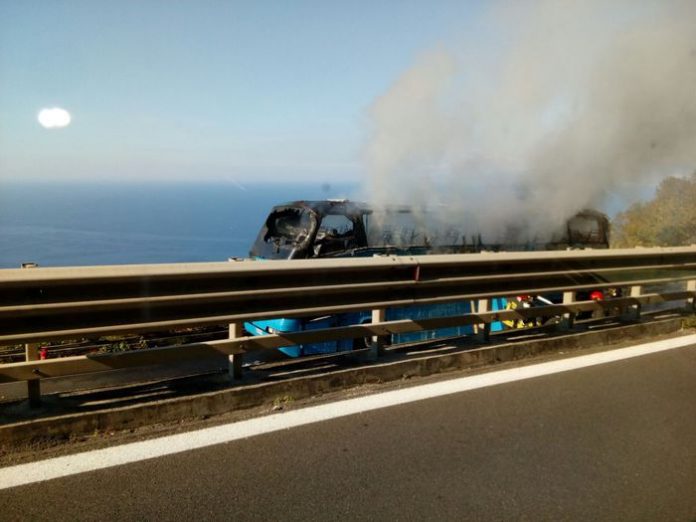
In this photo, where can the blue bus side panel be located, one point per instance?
(283, 325)
(425, 312)
(499, 303)
(296, 325)
(416, 312)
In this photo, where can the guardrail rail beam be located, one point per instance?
(51, 304)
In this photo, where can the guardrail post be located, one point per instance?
(234, 366)
(483, 329)
(632, 312)
(691, 301)
(379, 315)
(31, 353)
(568, 319)
(598, 313)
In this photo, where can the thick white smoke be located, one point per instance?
(551, 107)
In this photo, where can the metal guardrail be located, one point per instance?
(48, 304)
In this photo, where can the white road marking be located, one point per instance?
(118, 455)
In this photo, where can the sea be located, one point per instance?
(89, 223)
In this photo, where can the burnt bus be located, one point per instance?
(342, 228)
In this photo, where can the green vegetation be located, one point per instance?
(279, 403)
(689, 322)
(120, 346)
(668, 220)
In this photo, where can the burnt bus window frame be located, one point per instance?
(578, 233)
(273, 245)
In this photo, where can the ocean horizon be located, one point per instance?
(83, 223)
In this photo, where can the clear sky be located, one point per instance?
(236, 90)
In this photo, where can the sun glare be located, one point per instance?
(54, 118)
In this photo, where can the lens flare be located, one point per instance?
(54, 118)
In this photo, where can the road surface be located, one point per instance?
(611, 441)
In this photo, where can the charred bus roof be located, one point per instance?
(328, 206)
(321, 228)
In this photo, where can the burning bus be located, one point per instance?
(342, 228)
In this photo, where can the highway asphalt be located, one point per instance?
(612, 442)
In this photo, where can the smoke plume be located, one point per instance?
(544, 110)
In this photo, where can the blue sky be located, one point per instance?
(235, 90)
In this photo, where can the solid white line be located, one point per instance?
(118, 455)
